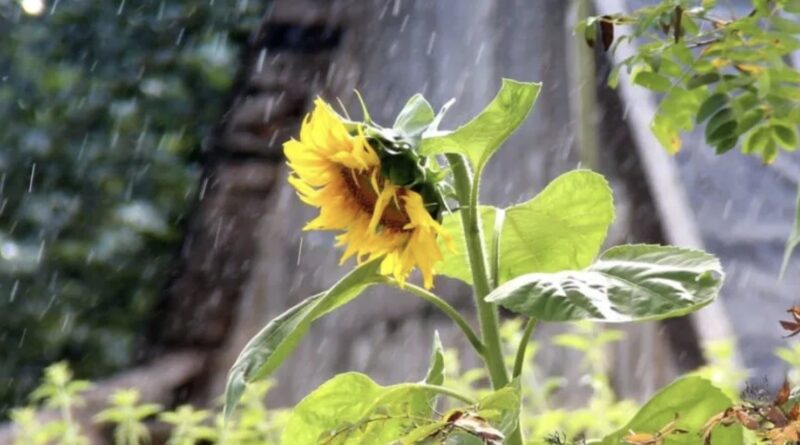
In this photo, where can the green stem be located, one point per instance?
(445, 307)
(467, 194)
(519, 361)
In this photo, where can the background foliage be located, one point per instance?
(103, 109)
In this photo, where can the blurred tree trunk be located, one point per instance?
(286, 63)
(244, 259)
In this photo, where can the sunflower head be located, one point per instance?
(371, 185)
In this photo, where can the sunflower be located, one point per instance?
(335, 168)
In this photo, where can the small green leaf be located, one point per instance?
(652, 81)
(722, 146)
(794, 237)
(757, 140)
(627, 283)
(416, 116)
(711, 106)
(501, 408)
(482, 136)
(702, 79)
(785, 135)
(562, 228)
(749, 120)
(435, 374)
(694, 400)
(270, 347)
(456, 262)
(721, 126)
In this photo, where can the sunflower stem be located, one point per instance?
(445, 307)
(467, 194)
(519, 361)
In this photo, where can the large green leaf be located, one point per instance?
(482, 136)
(350, 408)
(562, 228)
(267, 350)
(694, 400)
(794, 238)
(627, 283)
(456, 262)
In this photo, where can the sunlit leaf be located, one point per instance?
(562, 228)
(652, 81)
(482, 136)
(627, 283)
(351, 408)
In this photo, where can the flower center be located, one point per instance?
(360, 187)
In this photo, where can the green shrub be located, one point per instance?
(103, 109)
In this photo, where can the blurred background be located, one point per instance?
(146, 224)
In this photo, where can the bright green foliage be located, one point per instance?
(253, 424)
(187, 425)
(627, 283)
(127, 414)
(481, 137)
(732, 74)
(562, 228)
(694, 401)
(351, 408)
(60, 392)
(104, 107)
(29, 431)
(267, 350)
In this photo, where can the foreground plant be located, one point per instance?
(398, 206)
